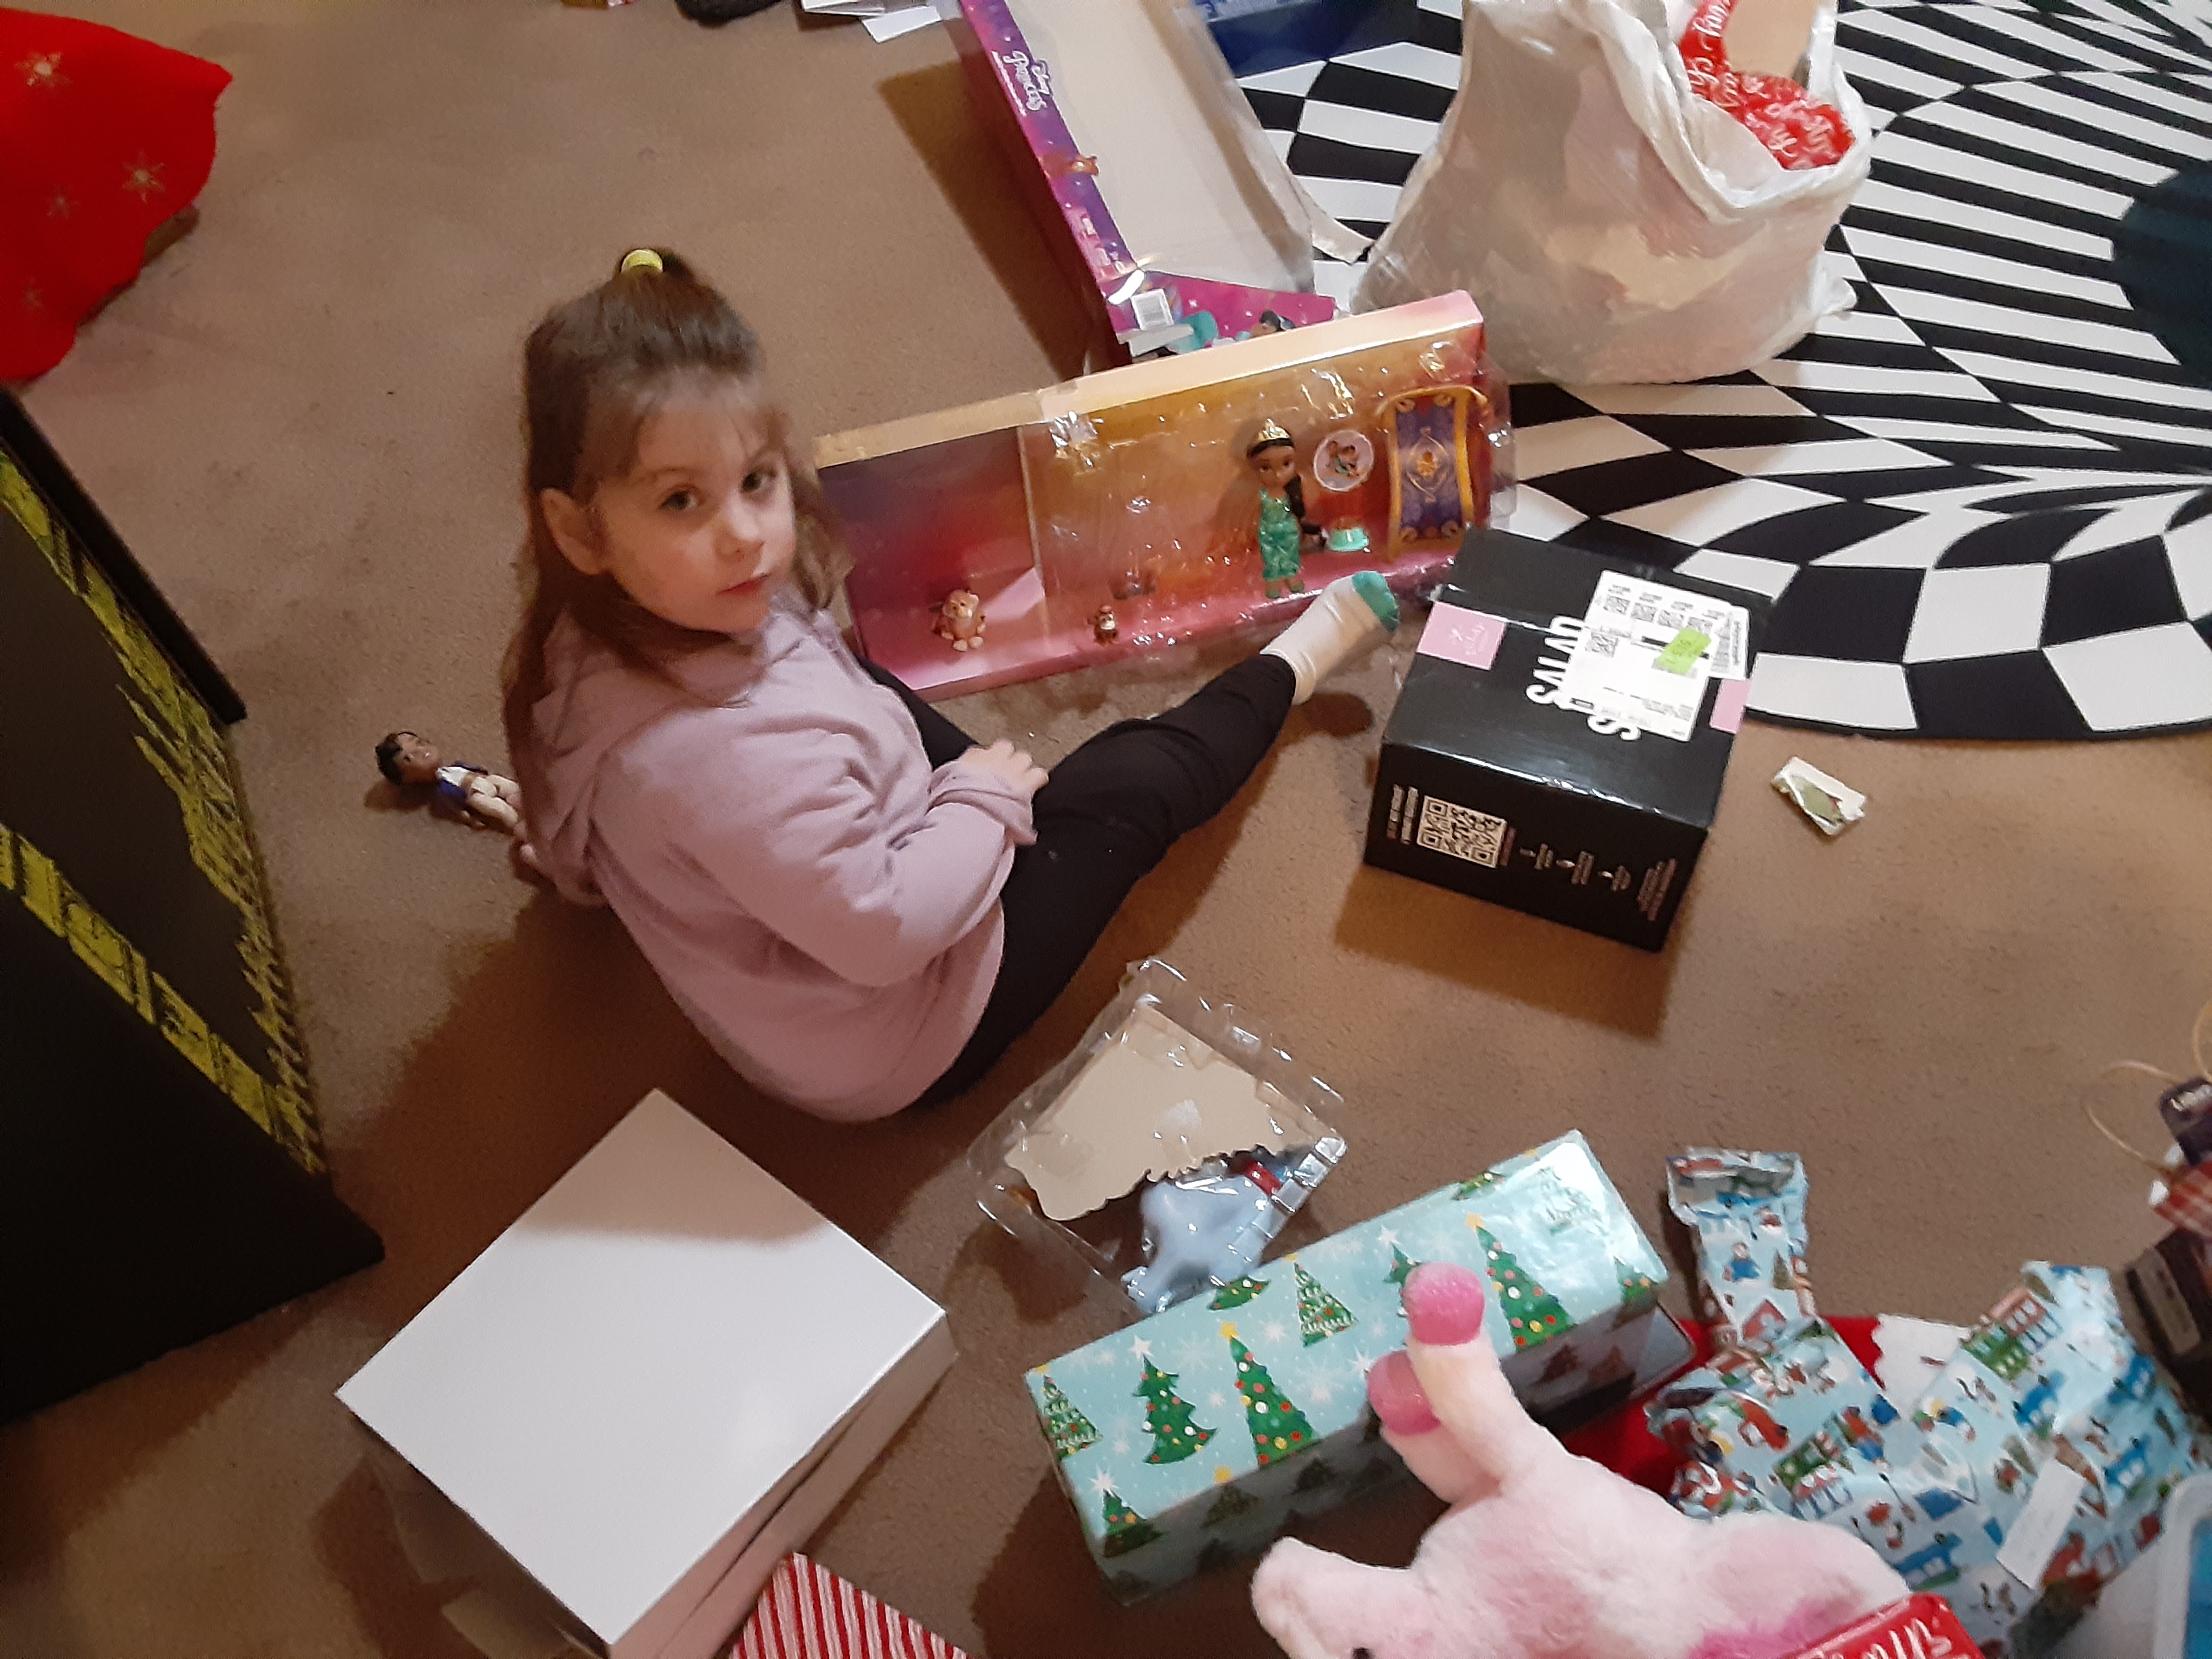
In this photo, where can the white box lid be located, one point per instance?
(623, 1378)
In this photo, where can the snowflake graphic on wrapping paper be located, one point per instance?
(1363, 1361)
(1120, 1446)
(1321, 1394)
(1217, 1401)
(1275, 1330)
(1101, 1483)
(1194, 1356)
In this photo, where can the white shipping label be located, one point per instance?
(2041, 1526)
(1630, 662)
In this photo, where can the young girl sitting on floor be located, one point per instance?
(857, 905)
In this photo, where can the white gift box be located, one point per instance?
(649, 1389)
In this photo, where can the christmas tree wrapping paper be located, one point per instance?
(1205, 1430)
(2029, 1474)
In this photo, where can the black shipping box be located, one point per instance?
(161, 1166)
(1560, 740)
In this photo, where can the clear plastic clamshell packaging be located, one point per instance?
(1170, 500)
(1165, 1153)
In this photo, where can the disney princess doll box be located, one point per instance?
(1168, 501)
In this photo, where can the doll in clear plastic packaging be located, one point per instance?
(1283, 527)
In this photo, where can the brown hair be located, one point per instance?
(593, 371)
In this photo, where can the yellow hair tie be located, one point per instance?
(642, 259)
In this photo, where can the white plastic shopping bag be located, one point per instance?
(1613, 225)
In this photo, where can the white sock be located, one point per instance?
(1352, 612)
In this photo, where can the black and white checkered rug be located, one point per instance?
(1984, 497)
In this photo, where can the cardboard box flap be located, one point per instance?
(1529, 582)
(1164, 377)
(1178, 166)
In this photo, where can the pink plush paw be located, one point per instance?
(1444, 1304)
(1396, 1393)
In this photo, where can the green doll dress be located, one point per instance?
(1279, 543)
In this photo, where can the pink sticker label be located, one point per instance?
(1728, 704)
(1461, 636)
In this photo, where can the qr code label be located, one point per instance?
(1462, 832)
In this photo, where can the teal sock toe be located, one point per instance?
(1379, 599)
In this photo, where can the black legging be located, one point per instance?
(1108, 813)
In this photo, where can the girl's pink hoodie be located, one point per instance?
(822, 904)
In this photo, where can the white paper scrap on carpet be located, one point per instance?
(1832, 804)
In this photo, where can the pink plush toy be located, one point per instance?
(1545, 1555)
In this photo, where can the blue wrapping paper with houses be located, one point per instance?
(1747, 1213)
(1203, 1431)
(2049, 1380)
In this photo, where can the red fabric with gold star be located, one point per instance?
(106, 138)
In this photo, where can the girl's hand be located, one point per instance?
(1002, 760)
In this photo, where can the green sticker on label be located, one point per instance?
(1688, 647)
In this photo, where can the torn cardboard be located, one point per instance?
(1154, 1103)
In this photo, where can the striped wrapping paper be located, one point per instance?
(809, 1612)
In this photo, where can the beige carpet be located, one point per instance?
(303, 419)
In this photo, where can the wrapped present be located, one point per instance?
(1202, 1432)
(1919, 1627)
(808, 1612)
(1770, 1430)
(2029, 1474)
(1746, 1211)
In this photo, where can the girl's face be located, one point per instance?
(700, 530)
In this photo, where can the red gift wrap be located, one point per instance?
(106, 138)
(808, 1612)
(1924, 1627)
